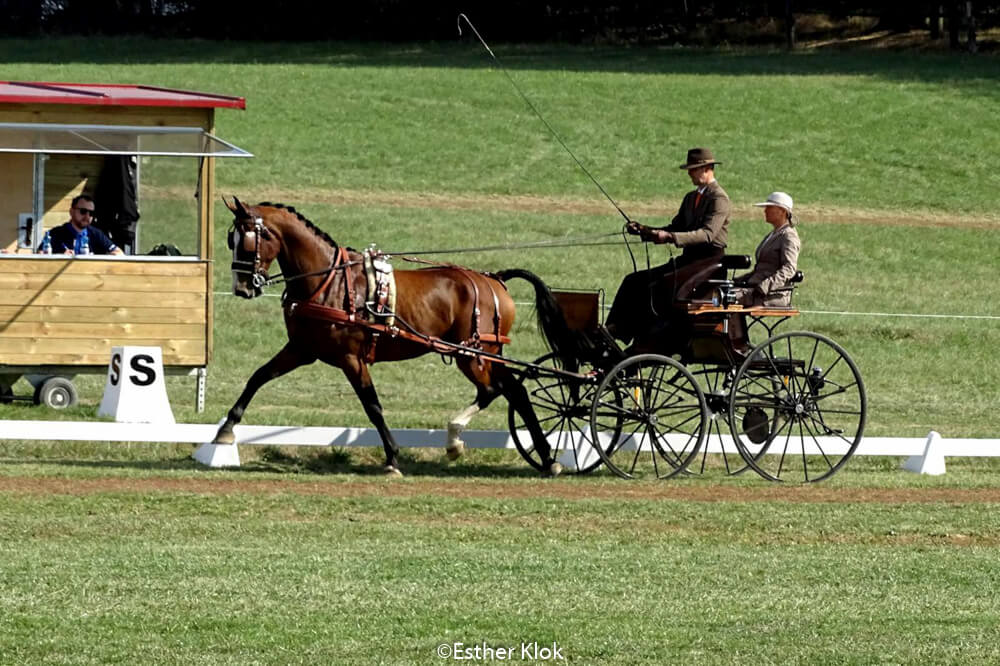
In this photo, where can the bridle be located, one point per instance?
(258, 278)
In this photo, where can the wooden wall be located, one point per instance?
(56, 311)
(16, 194)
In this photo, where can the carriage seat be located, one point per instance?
(789, 287)
(712, 285)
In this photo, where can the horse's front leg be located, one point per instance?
(283, 362)
(357, 373)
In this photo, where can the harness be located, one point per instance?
(380, 300)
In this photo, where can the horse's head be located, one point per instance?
(254, 247)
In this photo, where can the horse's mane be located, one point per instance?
(306, 221)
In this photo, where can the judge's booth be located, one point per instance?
(146, 155)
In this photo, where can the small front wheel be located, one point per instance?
(664, 413)
(562, 406)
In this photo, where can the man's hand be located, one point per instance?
(658, 236)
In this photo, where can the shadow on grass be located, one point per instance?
(974, 73)
(340, 461)
(334, 461)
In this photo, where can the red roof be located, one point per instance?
(108, 94)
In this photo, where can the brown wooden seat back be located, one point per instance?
(580, 308)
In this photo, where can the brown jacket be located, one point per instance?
(703, 229)
(777, 259)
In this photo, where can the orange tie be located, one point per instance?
(697, 199)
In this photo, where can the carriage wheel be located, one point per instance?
(719, 454)
(562, 407)
(665, 417)
(797, 407)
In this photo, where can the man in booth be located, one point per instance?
(69, 238)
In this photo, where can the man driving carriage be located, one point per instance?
(700, 228)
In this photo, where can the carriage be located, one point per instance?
(794, 402)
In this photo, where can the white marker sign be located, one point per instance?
(135, 391)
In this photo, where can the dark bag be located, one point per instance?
(166, 250)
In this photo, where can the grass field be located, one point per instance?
(116, 553)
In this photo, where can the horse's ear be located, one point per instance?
(238, 208)
(230, 206)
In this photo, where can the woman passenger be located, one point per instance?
(777, 257)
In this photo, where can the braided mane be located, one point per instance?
(309, 225)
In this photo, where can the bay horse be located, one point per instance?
(447, 303)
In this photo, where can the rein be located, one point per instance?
(592, 239)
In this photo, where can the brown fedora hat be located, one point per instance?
(699, 157)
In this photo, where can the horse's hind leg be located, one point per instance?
(485, 394)
(512, 389)
(361, 380)
(286, 360)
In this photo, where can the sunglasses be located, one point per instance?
(85, 211)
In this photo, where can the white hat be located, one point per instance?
(779, 199)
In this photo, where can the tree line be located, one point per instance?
(583, 21)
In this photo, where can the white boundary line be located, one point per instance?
(926, 453)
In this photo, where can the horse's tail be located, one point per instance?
(551, 321)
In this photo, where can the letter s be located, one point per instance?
(148, 375)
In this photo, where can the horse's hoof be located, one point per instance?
(392, 471)
(224, 437)
(455, 451)
(553, 470)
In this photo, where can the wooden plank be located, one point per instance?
(151, 284)
(42, 348)
(93, 358)
(87, 330)
(105, 115)
(82, 314)
(754, 310)
(64, 298)
(102, 266)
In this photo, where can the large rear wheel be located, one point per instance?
(664, 414)
(797, 408)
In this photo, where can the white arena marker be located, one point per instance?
(135, 391)
(217, 455)
(931, 462)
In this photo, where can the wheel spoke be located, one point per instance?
(784, 450)
(829, 431)
(805, 424)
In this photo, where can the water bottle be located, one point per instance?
(82, 245)
(47, 244)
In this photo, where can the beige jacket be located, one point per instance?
(777, 260)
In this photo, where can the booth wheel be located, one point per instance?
(56, 392)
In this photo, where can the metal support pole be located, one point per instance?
(200, 391)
